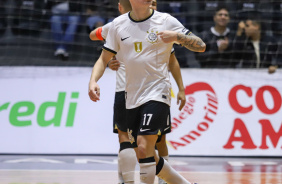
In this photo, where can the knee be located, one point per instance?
(142, 152)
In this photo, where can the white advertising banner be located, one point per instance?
(46, 110)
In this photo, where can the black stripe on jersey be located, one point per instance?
(141, 20)
(112, 51)
(186, 31)
(173, 52)
(189, 33)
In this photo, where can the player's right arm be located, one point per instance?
(97, 73)
(96, 34)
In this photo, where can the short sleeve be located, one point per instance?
(105, 30)
(174, 25)
(112, 42)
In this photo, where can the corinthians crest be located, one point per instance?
(152, 36)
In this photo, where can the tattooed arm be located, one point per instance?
(191, 42)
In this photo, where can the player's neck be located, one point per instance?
(140, 14)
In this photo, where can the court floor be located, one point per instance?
(17, 169)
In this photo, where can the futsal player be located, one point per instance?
(100, 34)
(142, 39)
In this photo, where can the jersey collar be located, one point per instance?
(140, 20)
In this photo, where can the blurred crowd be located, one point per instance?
(238, 33)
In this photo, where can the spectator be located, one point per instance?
(204, 13)
(28, 17)
(64, 14)
(94, 11)
(218, 40)
(246, 8)
(253, 48)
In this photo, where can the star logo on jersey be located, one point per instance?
(152, 36)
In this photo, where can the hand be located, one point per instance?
(272, 69)
(241, 27)
(94, 91)
(181, 97)
(223, 44)
(114, 64)
(168, 36)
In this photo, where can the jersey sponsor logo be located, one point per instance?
(152, 36)
(143, 130)
(138, 46)
(122, 39)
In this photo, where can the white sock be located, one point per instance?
(127, 161)
(120, 178)
(147, 170)
(168, 174)
(161, 181)
(166, 157)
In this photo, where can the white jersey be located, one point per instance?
(120, 74)
(144, 54)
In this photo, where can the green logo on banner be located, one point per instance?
(22, 110)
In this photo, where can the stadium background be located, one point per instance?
(25, 29)
(45, 109)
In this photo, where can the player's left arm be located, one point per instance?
(176, 73)
(191, 41)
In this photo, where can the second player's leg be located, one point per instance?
(126, 158)
(162, 151)
(162, 147)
